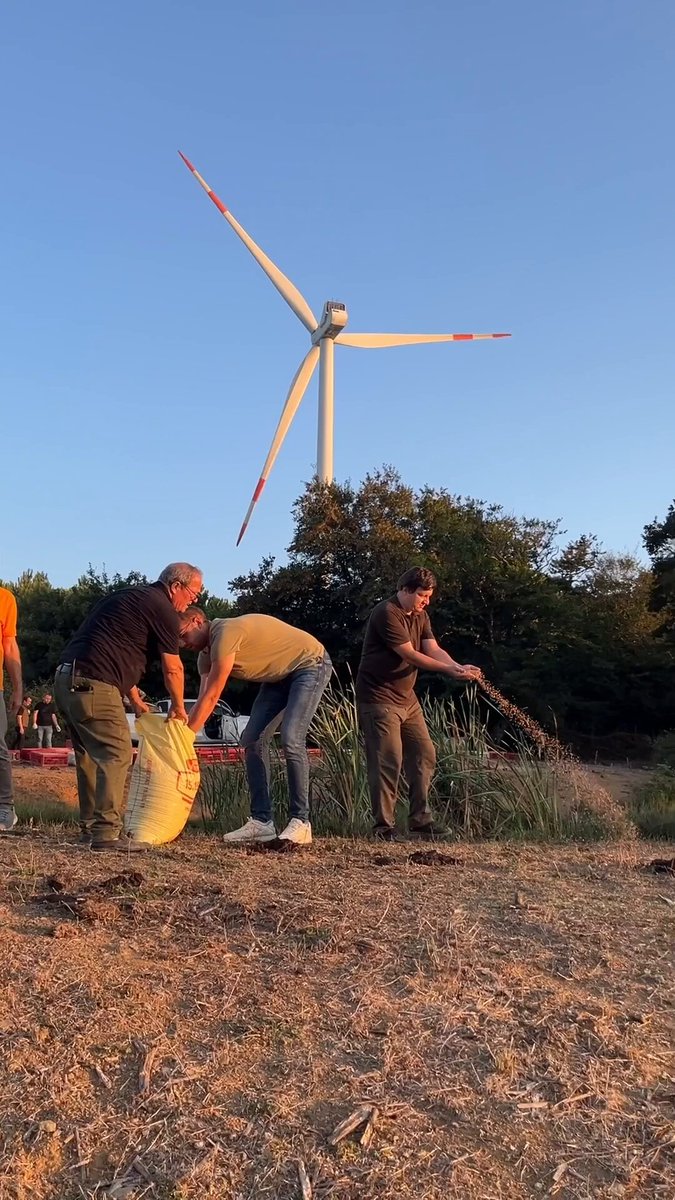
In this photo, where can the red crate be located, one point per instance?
(220, 754)
(210, 754)
(46, 758)
(235, 754)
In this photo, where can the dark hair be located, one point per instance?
(417, 578)
(190, 613)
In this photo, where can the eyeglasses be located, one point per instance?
(194, 596)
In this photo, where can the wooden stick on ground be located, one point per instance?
(144, 1075)
(305, 1184)
(350, 1123)
(367, 1135)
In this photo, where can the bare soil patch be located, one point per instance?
(35, 785)
(621, 782)
(198, 1022)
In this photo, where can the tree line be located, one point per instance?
(582, 638)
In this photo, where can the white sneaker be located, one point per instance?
(297, 831)
(253, 831)
(8, 817)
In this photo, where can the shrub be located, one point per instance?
(663, 749)
(653, 807)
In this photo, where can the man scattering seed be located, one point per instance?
(399, 642)
(293, 669)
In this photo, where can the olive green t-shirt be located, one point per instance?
(265, 649)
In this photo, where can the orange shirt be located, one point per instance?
(7, 620)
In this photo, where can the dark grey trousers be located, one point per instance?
(396, 738)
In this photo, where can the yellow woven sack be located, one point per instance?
(164, 780)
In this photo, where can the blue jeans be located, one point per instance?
(292, 702)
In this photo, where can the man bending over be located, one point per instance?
(293, 669)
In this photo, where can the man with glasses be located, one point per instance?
(103, 662)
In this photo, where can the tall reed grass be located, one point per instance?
(653, 807)
(477, 792)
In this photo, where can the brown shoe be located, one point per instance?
(123, 845)
(384, 834)
(431, 832)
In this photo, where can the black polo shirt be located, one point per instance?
(122, 632)
(44, 713)
(383, 676)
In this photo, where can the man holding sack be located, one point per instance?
(293, 669)
(103, 662)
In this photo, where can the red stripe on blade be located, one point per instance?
(186, 160)
(463, 337)
(218, 203)
(258, 490)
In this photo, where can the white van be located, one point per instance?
(223, 728)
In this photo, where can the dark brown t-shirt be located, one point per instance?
(383, 677)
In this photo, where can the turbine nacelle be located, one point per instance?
(333, 320)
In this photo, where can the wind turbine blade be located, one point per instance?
(283, 285)
(296, 392)
(377, 341)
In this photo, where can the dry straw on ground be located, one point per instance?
(201, 1031)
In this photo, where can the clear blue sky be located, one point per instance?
(438, 166)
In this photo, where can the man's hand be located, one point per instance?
(14, 705)
(467, 673)
(57, 728)
(177, 713)
(136, 702)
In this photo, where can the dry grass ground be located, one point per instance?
(199, 1026)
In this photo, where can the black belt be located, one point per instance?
(78, 670)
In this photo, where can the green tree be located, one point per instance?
(659, 542)
(568, 633)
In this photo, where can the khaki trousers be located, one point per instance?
(102, 743)
(396, 736)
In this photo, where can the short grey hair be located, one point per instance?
(179, 572)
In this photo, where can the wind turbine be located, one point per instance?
(324, 334)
